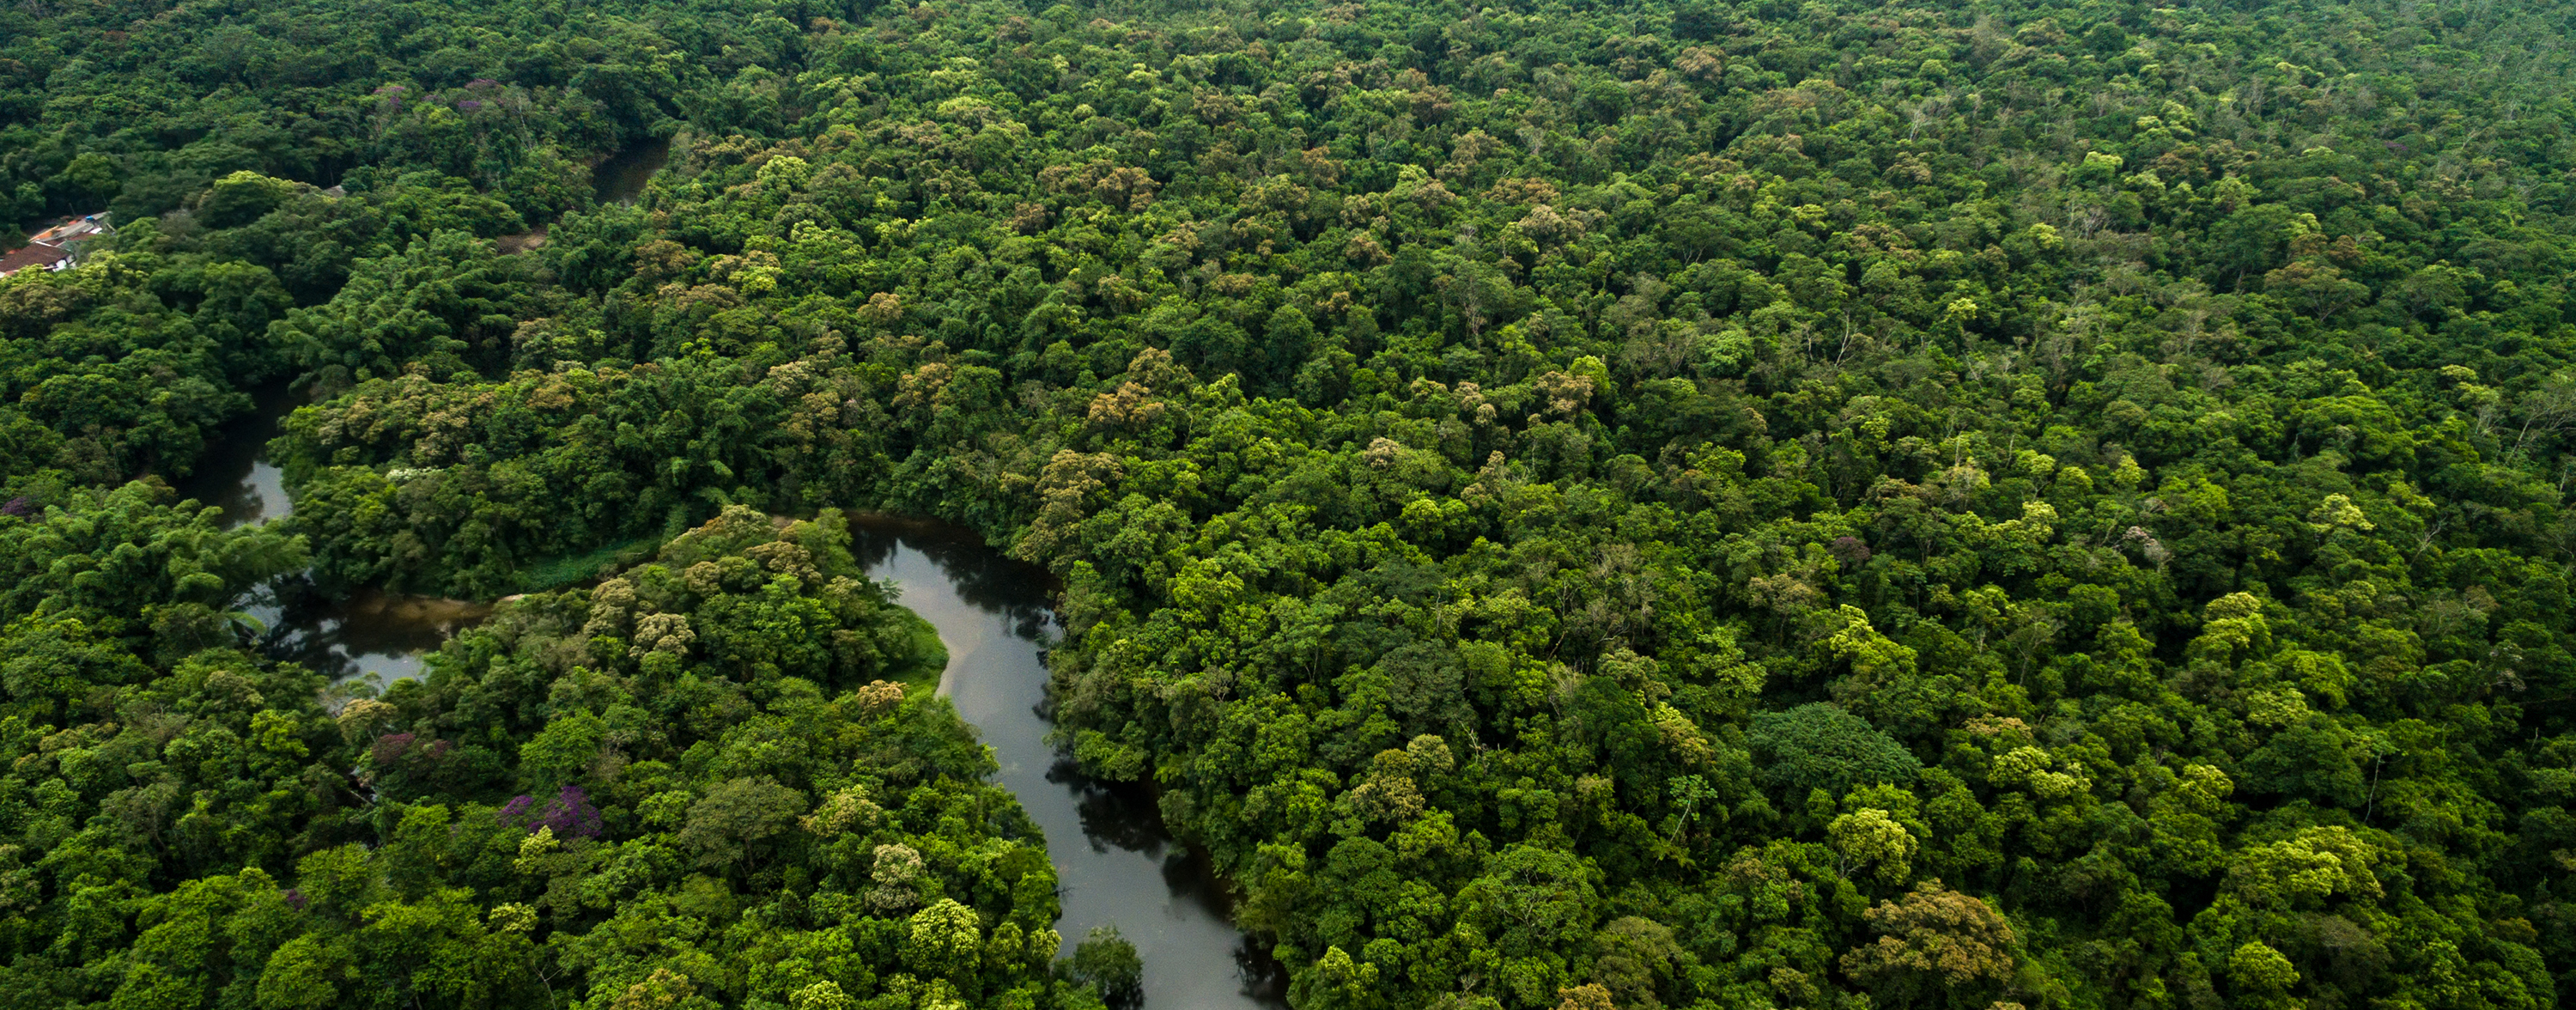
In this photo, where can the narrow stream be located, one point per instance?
(235, 475)
(1115, 863)
(367, 634)
(621, 178)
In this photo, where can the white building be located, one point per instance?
(55, 248)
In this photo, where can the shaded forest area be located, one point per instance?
(1752, 506)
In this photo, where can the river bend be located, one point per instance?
(1114, 862)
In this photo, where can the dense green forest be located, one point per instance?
(719, 798)
(1987, 505)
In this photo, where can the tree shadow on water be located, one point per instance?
(1265, 979)
(1113, 814)
(984, 578)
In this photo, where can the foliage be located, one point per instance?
(1724, 505)
(706, 768)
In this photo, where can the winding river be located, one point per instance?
(1114, 862)
(368, 634)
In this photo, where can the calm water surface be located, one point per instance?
(621, 178)
(1115, 863)
(367, 634)
(235, 475)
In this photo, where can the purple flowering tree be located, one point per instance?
(569, 813)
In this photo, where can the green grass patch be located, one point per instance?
(919, 671)
(556, 573)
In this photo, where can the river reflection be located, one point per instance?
(1114, 862)
(364, 635)
(621, 178)
(234, 474)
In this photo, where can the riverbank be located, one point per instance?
(1116, 865)
(981, 624)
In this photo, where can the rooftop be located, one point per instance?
(52, 247)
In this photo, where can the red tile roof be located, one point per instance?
(48, 247)
(31, 256)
